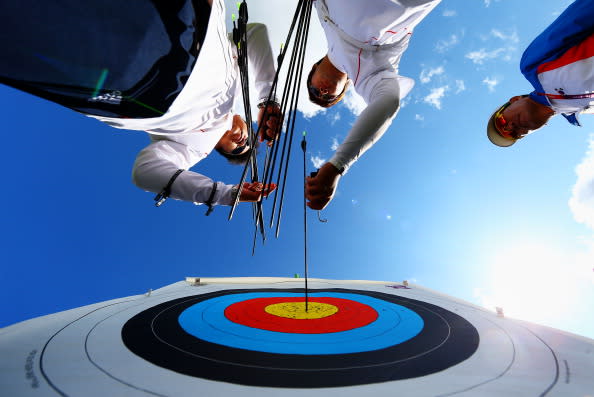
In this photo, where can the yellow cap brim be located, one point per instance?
(494, 136)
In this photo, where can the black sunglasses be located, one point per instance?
(316, 93)
(238, 150)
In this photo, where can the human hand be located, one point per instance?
(252, 192)
(269, 128)
(320, 189)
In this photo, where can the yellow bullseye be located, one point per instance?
(296, 310)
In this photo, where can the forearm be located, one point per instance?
(158, 162)
(371, 124)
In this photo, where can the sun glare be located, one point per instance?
(531, 282)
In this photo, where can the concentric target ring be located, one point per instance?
(326, 314)
(206, 320)
(167, 336)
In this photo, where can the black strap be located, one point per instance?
(164, 194)
(211, 199)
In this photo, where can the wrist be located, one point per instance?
(338, 170)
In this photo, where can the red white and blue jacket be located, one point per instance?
(559, 63)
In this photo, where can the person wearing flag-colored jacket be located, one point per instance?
(559, 64)
(366, 40)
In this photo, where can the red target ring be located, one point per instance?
(252, 313)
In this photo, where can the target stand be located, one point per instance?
(254, 336)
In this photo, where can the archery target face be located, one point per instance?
(361, 339)
(264, 337)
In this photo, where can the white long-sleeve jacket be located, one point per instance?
(366, 40)
(200, 115)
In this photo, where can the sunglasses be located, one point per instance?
(316, 93)
(503, 127)
(238, 150)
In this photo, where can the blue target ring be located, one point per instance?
(191, 336)
(395, 324)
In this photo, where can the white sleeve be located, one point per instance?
(370, 126)
(158, 162)
(260, 59)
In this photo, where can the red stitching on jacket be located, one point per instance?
(358, 65)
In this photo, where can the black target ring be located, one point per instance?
(445, 340)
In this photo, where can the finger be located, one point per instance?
(316, 190)
(316, 196)
(271, 134)
(321, 204)
(266, 192)
(263, 133)
(255, 186)
(315, 205)
(268, 133)
(250, 196)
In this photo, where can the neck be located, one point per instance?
(544, 112)
(331, 70)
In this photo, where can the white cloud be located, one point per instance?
(449, 13)
(502, 53)
(427, 74)
(488, 2)
(405, 101)
(581, 202)
(317, 161)
(334, 145)
(334, 117)
(435, 96)
(354, 102)
(444, 45)
(479, 57)
(491, 83)
(511, 37)
(460, 86)
(419, 117)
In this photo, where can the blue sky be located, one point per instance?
(433, 202)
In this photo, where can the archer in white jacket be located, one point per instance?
(201, 119)
(366, 40)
